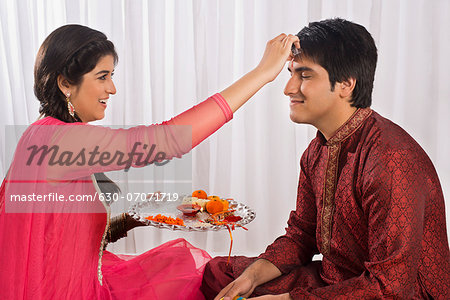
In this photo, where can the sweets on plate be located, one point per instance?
(165, 219)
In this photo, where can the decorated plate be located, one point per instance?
(150, 208)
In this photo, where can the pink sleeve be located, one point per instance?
(76, 150)
(205, 118)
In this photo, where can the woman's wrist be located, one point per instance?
(117, 228)
(240, 91)
(131, 223)
(266, 76)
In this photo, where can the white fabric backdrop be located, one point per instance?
(173, 54)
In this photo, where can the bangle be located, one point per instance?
(117, 228)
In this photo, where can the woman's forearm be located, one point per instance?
(239, 92)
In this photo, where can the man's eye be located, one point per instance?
(304, 76)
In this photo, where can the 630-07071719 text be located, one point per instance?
(56, 197)
(169, 197)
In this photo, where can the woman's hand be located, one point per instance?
(131, 223)
(278, 51)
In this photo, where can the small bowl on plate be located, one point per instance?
(189, 210)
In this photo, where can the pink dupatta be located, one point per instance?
(52, 250)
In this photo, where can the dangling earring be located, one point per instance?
(70, 107)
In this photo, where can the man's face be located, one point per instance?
(309, 90)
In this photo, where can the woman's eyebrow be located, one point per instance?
(103, 72)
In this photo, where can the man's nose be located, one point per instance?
(292, 86)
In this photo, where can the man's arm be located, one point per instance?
(394, 193)
(291, 250)
(298, 245)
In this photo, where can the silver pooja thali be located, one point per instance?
(139, 211)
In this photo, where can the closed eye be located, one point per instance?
(304, 72)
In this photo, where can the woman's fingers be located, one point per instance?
(279, 37)
(278, 51)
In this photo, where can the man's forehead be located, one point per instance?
(303, 64)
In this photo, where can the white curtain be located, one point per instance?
(175, 53)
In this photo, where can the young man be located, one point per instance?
(369, 199)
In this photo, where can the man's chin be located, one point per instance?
(297, 119)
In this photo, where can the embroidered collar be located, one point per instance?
(348, 128)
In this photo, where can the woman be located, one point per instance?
(53, 249)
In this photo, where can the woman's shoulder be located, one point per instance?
(53, 121)
(49, 121)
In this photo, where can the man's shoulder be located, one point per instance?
(386, 134)
(384, 140)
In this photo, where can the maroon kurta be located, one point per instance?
(370, 201)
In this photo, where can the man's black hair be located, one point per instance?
(346, 50)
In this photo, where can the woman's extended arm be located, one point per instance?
(52, 149)
(276, 53)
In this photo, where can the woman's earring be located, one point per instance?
(70, 107)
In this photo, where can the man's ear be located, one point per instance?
(346, 87)
(64, 85)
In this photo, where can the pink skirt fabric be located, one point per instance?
(50, 249)
(173, 270)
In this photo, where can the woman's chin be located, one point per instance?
(99, 117)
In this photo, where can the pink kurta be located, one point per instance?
(370, 201)
(52, 250)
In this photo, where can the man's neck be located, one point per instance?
(334, 121)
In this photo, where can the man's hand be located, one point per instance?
(273, 297)
(242, 286)
(266, 297)
(259, 272)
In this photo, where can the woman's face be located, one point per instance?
(91, 96)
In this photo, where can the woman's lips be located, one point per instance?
(103, 102)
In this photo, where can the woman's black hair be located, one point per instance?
(71, 51)
(346, 50)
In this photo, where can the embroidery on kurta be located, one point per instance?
(105, 232)
(330, 182)
(328, 197)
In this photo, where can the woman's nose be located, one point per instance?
(111, 88)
